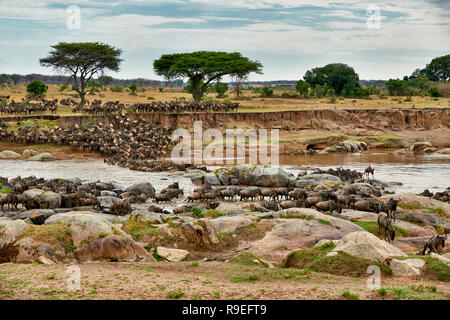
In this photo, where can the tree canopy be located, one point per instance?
(439, 69)
(204, 68)
(337, 76)
(82, 60)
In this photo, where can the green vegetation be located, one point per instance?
(372, 227)
(413, 292)
(157, 256)
(203, 68)
(315, 259)
(175, 294)
(249, 259)
(436, 269)
(350, 296)
(53, 234)
(82, 61)
(138, 228)
(36, 88)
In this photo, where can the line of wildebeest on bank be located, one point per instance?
(40, 105)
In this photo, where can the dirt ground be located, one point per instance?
(198, 280)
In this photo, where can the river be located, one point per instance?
(414, 172)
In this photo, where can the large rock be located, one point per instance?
(441, 258)
(143, 188)
(53, 199)
(45, 156)
(231, 224)
(115, 247)
(151, 217)
(211, 179)
(28, 250)
(262, 176)
(315, 179)
(420, 146)
(27, 153)
(200, 235)
(445, 151)
(10, 231)
(301, 228)
(7, 154)
(173, 255)
(353, 146)
(84, 225)
(363, 244)
(407, 267)
(39, 216)
(418, 201)
(107, 201)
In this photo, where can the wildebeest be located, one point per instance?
(384, 225)
(434, 244)
(369, 170)
(391, 207)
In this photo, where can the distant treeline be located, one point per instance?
(16, 78)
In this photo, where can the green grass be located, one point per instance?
(413, 292)
(316, 260)
(157, 256)
(350, 296)
(175, 294)
(328, 223)
(138, 228)
(249, 259)
(372, 227)
(436, 269)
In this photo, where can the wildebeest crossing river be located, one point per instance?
(415, 173)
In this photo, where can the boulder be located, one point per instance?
(352, 146)
(84, 225)
(420, 146)
(7, 154)
(45, 156)
(108, 193)
(39, 216)
(200, 235)
(28, 250)
(211, 179)
(53, 199)
(151, 217)
(143, 188)
(223, 177)
(363, 244)
(262, 176)
(230, 224)
(10, 231)
(429, 150)
(445, 151)
(407, 267)
(107, 201)
(315, 179)
(441, 258)
(417, 201)
(117, 247)
(173, 255)
(30, 194)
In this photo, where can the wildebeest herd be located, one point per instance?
(124, 142)
(40, 105)
(27, 107)
(96, 107)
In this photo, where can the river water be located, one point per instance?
(414, 172)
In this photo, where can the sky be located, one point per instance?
(379, 39)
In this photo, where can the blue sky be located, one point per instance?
(288, 37)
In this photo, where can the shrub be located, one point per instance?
(266, 92)
(133, 89)
(175, 294)
(116, 89)
(197, 212)
(37, 88)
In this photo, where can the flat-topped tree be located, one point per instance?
(82, 60)
(204, 68)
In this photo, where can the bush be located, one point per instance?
(434, 92)
(133, 89)
(37, 88)
(116, 89)
(266, 92)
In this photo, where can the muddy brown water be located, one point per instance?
(414, 172)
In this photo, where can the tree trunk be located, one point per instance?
(197, 92)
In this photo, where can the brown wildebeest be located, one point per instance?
(369, 170)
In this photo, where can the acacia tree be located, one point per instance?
(439, 68)
(337, 76)
(204, 68)
(82, 60)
